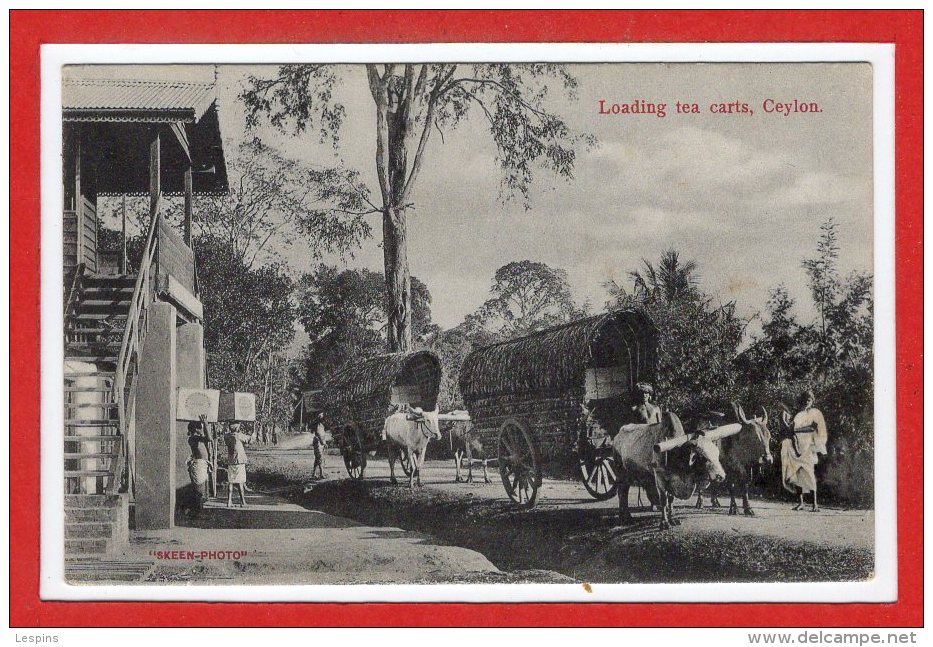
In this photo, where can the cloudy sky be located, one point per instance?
(742, 195)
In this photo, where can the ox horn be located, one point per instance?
(740, 413)
(672, 443)
(723, 432)
(675, 428)
(764, 416)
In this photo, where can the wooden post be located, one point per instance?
(155, 174)
(208, 429)
(213, 470)
(123, 262)
(189, 190)
(155, 190)
(79, 203)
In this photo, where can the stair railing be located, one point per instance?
(118, 462)
(71, 299)
(133, 338)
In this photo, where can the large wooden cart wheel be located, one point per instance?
(598, 472)
(353, 455)
(518, 463)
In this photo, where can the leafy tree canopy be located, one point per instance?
(248, 311)
(526, 296)
(344, 314)
(249, 324)
(697, 337)
(273, 199)
(419, 99)
(831, 355)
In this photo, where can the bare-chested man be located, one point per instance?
(646, 412)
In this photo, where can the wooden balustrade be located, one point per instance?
(134, 334)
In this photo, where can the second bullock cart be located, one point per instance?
(357, 399)
(551, 401)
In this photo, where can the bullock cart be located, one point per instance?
(552, 401)
(359, 396)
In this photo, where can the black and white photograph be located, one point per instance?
(480, 323)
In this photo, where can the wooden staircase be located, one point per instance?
(96, 513)
(97, 316)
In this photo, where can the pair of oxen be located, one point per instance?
(669, 462)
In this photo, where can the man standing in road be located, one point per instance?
(801, 449)
(192, 497)
(317, 444)
(199, 461)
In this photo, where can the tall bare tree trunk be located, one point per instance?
(394, 95)
(398, 279)
(394, 221)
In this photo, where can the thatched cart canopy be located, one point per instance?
(542, 379)
(557, 359)
(358, 396)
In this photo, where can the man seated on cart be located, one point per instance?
(645, 412)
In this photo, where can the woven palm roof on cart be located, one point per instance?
(556, 359)
(373, 377)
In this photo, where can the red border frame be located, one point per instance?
(29, 29)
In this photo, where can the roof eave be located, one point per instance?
(129, 116)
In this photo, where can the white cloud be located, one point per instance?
(695, 169)
(823, 188)
(707, 159)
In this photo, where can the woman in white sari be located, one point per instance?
(800, 451)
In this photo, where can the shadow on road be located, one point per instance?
(397, 533)
(586, 543)
(262, 512)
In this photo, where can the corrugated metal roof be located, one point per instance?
(118, 95)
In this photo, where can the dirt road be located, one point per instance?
(570, 533)
(274, 541)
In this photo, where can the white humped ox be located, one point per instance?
(407, 434)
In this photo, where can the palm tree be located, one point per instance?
(670, 281)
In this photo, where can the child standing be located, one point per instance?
(317, 444)
(236, 462)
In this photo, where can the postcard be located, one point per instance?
(468, 322)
